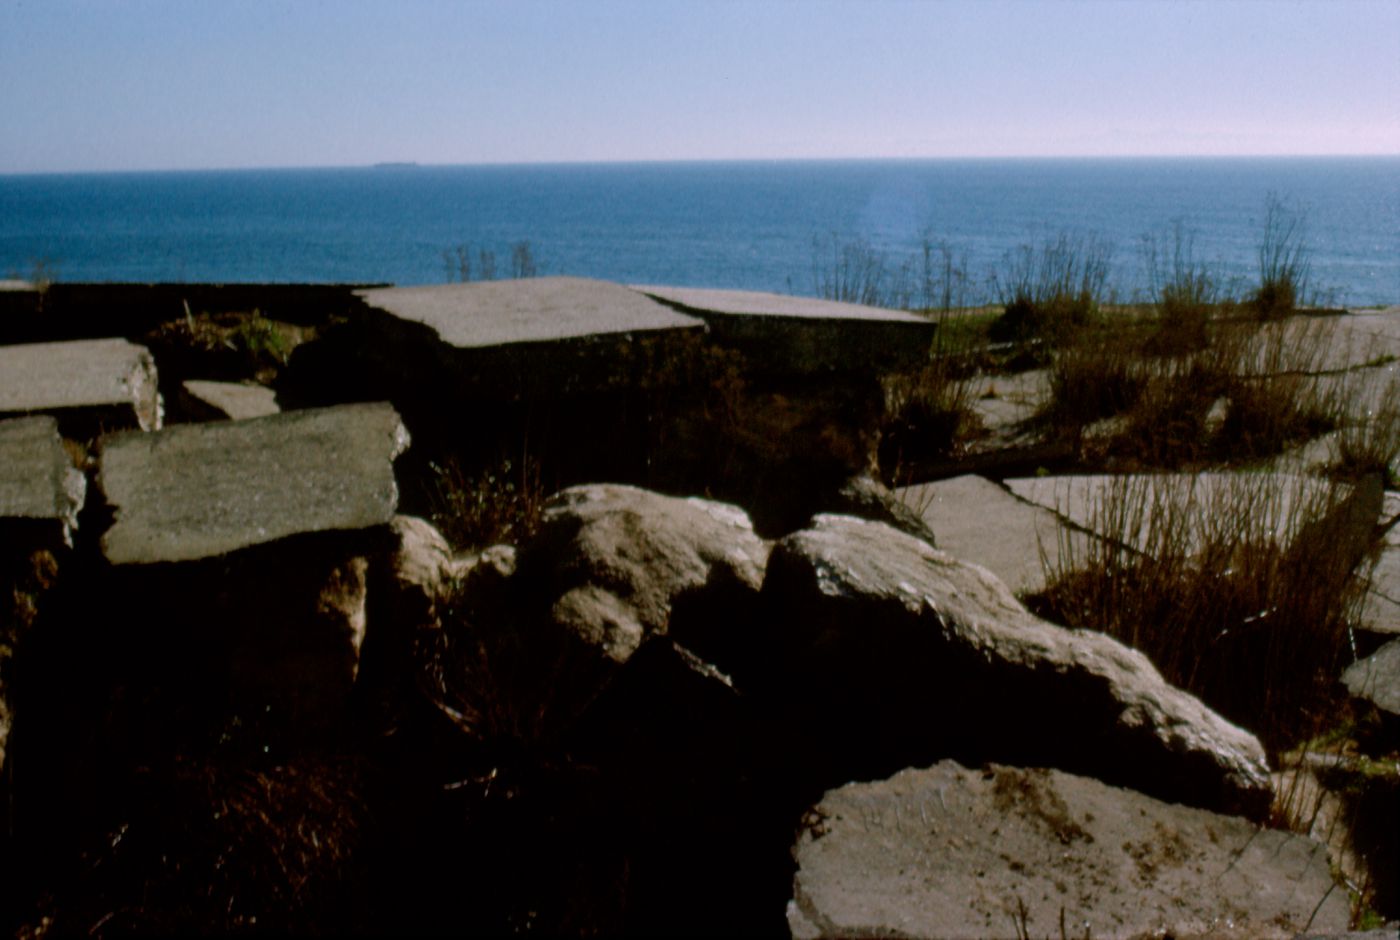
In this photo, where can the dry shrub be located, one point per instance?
(1051, 289)
(1369, 444)
(215, 848)
(929, 413)
(1200, 579)
(501, 503)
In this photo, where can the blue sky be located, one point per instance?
(112, 85)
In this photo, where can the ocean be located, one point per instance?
(760, 225)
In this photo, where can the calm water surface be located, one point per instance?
(748, 225)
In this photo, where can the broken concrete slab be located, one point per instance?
(803, 335)
(1279, 504)
(37, 478)
(529, 310)
(237, 401)
(106, 383)
(196, 491)
(1377, 679)
(953, 852)
(1381, 613)
(976, 520)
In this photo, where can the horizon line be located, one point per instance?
(406, 165)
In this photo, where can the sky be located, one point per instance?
(190, 84)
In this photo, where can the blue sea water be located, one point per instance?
(746, 224)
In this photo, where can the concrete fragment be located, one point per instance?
(110, 382)
(196, 491)
(228, 400)
(782, 333)
(978, 521)
(37, 479)
(953, 852)
(1377, 679)
(893, 653)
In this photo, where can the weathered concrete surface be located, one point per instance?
(617, 560)
(106, 375)
(1382, 611)
(37, 479)
(196, 491)
(1277, 504)
(228, 400)
(893, 653)
(782, 334)
(530, 310)
(1004, 852)
(978, 521)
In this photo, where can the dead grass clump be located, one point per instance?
(929, 413)
(210, 848)
(1050, 290)
(1369, 444)
(1240, 590)
(501, 503)
(1284, 262)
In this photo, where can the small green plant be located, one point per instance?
(259, 338)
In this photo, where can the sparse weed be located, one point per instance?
(1050, 290)
(1284, 263)
(501, 503)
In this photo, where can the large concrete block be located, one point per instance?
(94, 383)
(197, 491)
(781, 333)
(530, 310)
(37, 479)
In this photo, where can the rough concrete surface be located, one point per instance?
(875, 627)
(93, 373)
(1382, 610)
(976, 520)
(234, 400)
(1275, 502)
(200, 490)
(1005, 852)
(529, 310)
(37, 478)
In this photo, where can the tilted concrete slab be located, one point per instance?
(976, 520)
(1377, 678)
(102, 375)
(200, 490)
(233, 400)
(803, 334)
(37, 479)
(529, 310)
(999, 851)
(1275, 503)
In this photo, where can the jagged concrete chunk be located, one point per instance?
(37, 479)
(195, 491)
(1382, 611)
(1006, 852)
(530, 310)
(100, 374)
(803, 334)
(234, 400)
(896, 653)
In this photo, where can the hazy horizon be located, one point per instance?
(155, 85)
